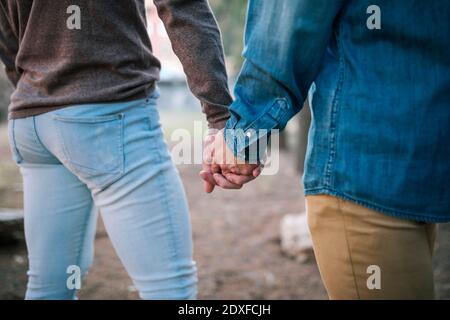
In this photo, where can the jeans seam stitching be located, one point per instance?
(63, 145)
(172, 231)
(80, 252)
(36, 136)
(16, 150)
(166, 204)
(121, 171)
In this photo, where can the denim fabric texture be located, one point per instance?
(380, 98)
(110, 158)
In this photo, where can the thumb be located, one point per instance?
(209, 188)
(209, 182)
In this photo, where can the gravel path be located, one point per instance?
(236, 235)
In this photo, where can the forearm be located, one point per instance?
(285, 42)
(197, 42)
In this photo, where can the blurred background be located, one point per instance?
(249, 244)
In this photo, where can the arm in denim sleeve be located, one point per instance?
(284, 44)
(197, 42)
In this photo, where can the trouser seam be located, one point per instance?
(14, 143)
(80, 251)
(37, 139)
(167, 206)
(431, 239)
(348, 248)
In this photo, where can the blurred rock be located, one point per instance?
(11, 226)
(295, 237)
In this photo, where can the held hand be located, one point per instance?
(232, 176)
(224, 160)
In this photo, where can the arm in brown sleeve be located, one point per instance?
(9, 46)
(197, 42)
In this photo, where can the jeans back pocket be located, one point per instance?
(92, 147)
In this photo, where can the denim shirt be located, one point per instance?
(378, 82)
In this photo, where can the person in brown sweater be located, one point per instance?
(84, 129)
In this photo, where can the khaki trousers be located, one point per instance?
(364, 254)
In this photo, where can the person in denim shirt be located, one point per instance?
(378, 158)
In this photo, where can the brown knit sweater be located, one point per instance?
(54, 62)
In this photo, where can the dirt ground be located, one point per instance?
(236, 243)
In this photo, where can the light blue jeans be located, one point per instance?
(111, 157)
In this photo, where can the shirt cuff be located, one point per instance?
(249, 141)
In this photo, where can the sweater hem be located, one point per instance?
(38, 110)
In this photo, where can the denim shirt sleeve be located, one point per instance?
(284, 44)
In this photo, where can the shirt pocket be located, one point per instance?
(92, 147)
